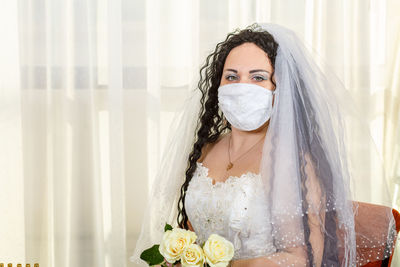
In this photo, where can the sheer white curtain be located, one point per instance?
(88, 89)
(64, 156)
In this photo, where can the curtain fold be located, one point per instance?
(88, 90)
(12, 210)
(73, 133)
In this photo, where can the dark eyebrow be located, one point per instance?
(235, 71)
(252, 71)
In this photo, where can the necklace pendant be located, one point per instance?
(230, 165)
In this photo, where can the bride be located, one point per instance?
(264, 165)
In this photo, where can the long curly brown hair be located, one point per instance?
(210, 125)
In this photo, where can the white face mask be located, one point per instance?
(246, 106)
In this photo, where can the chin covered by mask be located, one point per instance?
(246, 106)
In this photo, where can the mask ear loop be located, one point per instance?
(274, 95)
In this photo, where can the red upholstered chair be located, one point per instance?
(367, 213)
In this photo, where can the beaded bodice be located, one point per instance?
(235, 209)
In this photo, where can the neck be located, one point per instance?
(240, 140)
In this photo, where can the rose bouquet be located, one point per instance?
(178, 246)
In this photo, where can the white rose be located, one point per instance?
(218, 251)
(192, 256)
(174, 242)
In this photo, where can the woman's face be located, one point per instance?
(247, 63)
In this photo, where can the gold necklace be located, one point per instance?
(230, 165)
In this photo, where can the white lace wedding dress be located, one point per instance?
(234, 209)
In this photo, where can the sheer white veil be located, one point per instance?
(304, 167)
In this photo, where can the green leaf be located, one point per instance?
(152, 256)
(167, 227)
